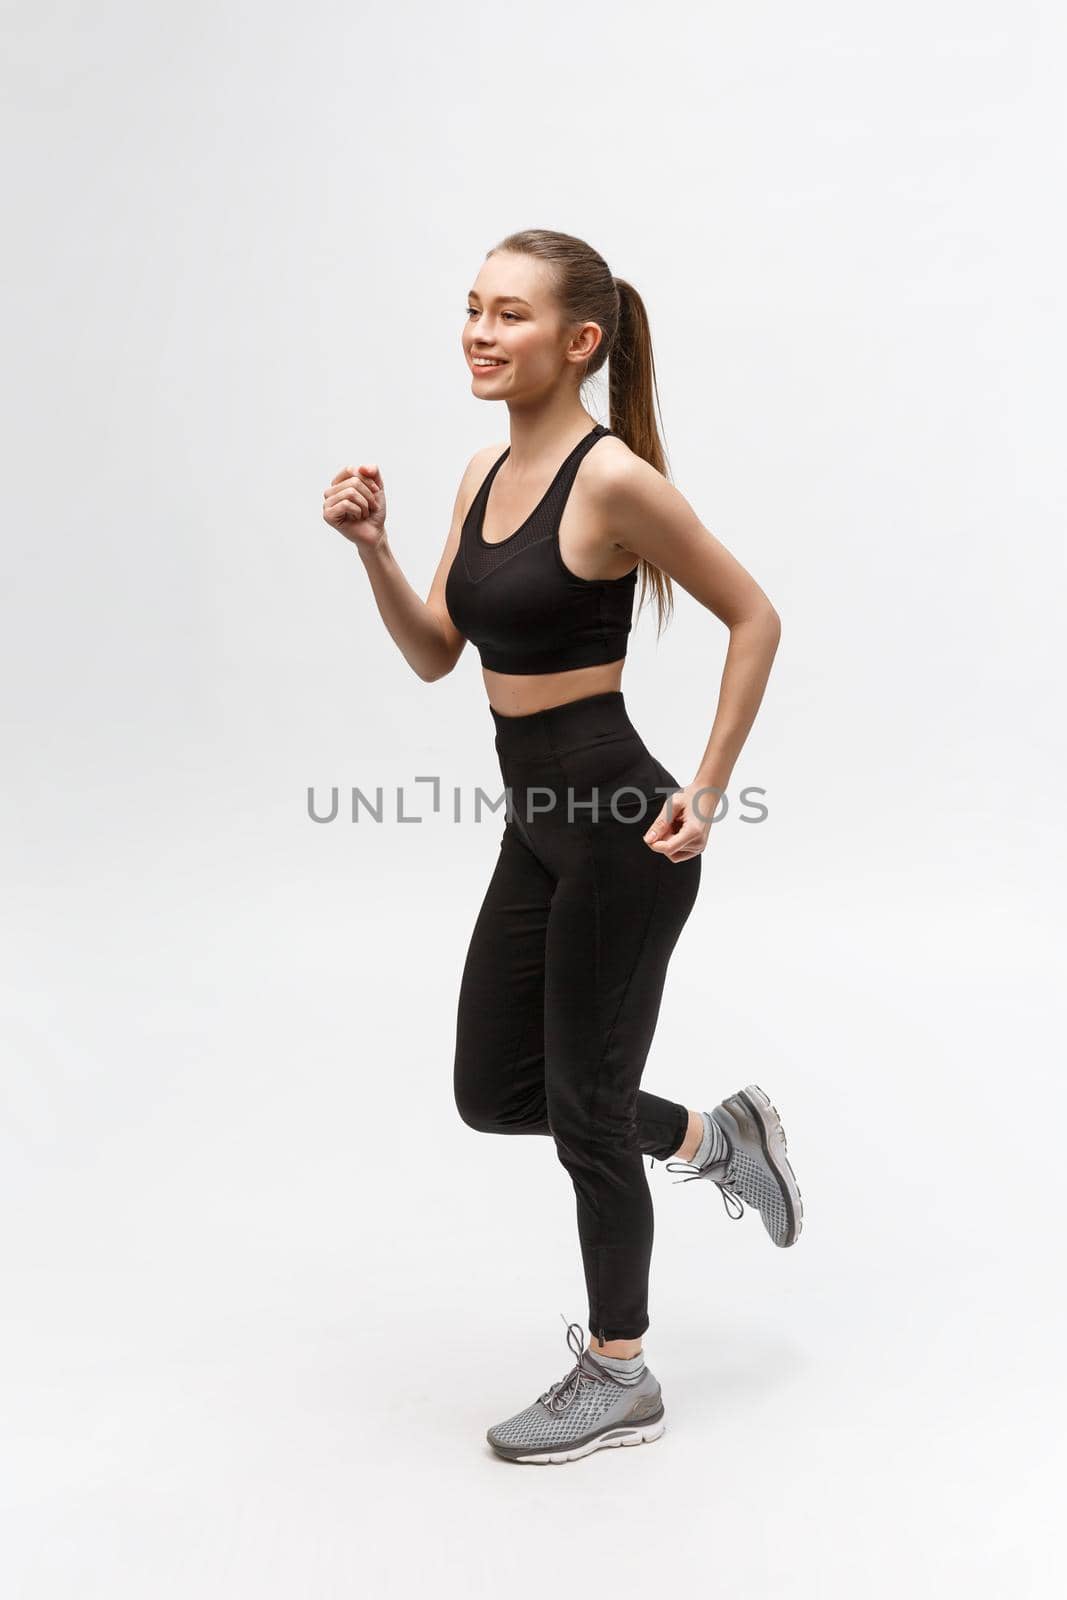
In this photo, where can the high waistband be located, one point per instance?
(555, 730)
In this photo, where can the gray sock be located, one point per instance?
(627, 1371)
(714, 1146)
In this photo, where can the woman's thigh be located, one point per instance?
(614, 921)
(499, 1069)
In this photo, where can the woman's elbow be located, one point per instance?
(761, 618)
(440, 668)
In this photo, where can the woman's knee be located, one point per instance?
(477, 1096)
(473, 1104)
(484, 1105)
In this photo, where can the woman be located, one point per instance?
(566, 964)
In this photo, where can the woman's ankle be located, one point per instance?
(693, 1138)
(621, 1349)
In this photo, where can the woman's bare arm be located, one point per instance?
(422, 630)
(649, 517)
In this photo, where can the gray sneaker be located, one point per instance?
(585, 1411)
(756, 1169)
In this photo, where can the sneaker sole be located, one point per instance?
(773, 1143)
(609, 1439)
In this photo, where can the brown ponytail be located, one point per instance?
(588, 292)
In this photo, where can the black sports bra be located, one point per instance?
(517, 602)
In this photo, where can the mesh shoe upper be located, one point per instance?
(587, 1401)
(749, 1177)
(756, 1170)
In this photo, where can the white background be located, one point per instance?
(263, 1290)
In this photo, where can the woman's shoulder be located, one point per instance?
(483, 458)
(613, 469)
(474, 474)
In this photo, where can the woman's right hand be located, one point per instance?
(354, 504)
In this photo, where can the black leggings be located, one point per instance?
(563, 977)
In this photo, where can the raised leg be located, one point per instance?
(499, 1065)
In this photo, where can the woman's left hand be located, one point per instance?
(682, 827)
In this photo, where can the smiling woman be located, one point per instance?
(566, 964)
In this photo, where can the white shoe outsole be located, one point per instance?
(758, 1102)
(606, 1441)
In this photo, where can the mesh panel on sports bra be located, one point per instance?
(542, 523)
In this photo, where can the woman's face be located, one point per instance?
(513, 317)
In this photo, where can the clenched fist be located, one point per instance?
(354, 504)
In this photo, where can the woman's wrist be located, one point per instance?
(707, 792)
(375, 552)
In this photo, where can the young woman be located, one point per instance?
(566, 964)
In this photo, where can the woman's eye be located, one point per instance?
(472, 311)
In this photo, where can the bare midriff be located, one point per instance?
(516, 694)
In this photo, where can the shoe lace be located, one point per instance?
(722, 1184)
(558, 1396)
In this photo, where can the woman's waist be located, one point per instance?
(580, 748)
(538, 737)
(513, 694)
